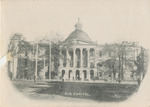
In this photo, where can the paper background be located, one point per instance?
(104, 20)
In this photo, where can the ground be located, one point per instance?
(75, 91)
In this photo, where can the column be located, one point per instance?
(88, 58)
(50, 62)
(74, 58)
(81, 75)
(95, 58)
(94, 73)
(67, 74)
(81, 63)
(73, 74)
(67, 58)
(60, 60)
(88, 75)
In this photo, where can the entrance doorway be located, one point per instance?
(91, 74)
(77, 74)
(63, 73)
(85, 74)
(70, 71)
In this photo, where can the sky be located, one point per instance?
(104, 20)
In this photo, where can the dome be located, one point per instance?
(78, 35)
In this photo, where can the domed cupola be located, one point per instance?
(78, 25)
(78, 34)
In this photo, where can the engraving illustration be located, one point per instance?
(76, 67)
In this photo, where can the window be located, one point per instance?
(78, 64)
(100, 74)
(92, 53)
(100, 65)
(91, 65)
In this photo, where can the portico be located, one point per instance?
(78, 61)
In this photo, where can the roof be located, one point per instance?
(16, 36)
(78, 34)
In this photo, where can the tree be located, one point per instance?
(55, 53)
(117, 59)
(141, 63)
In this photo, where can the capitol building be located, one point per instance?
(78, 58)
(78, 53)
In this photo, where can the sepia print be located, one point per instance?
(77, 67)
(54, 67)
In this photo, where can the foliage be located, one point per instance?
(55, 56)
(141, 63)
(118, 58)
(25, 68)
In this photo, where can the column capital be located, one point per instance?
(74, 49)
(67, 50)
(88, 49)
(81, 48)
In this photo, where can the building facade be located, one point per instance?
(22, 57)
(78, 56)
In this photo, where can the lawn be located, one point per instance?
(102, 92)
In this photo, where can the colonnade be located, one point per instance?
(79, 55)
(78, 63)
